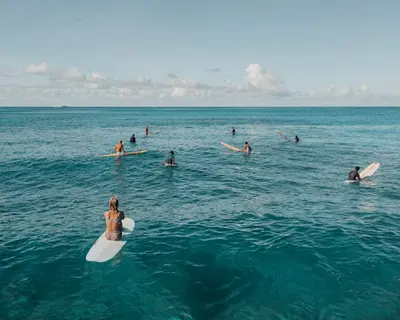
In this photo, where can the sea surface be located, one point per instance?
(276, 234)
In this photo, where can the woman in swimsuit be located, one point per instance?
(246, 147)
(113, 221)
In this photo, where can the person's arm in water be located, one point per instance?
(173, 160)
(358, 177)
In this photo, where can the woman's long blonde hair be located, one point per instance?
(113, 205)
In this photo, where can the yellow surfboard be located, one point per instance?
(127, 154)
(282, 135)
(232, 148)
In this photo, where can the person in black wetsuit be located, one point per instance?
(297, 139)
(233, 130)
(133, 139)
(171, 159)
(354, 175)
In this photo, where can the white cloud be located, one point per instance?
(260, 87)
(178, 92)
(258, 78)
(144, 80)
(348, 92)
(96, 76)
(40, 69)
(363, 90)
(188, 83)
(96, 81)
(332, 90)
(95, 85)
(71, 74)
(124, 92)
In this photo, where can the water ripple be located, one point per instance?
(273, 235)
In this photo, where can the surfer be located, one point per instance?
(113, 221)
(133, 139)
(147, 130)
(246, 147)
(354, 175)
(297, 139)
(233, 130)
(119, 148)
(171, 159)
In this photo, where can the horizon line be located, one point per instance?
(203, 106)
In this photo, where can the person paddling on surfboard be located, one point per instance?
(246, 147)
(114, 219)
(233, 131)
(297, 139)
(119, 148)
(133, 139)
(354, 175)
(171, 159)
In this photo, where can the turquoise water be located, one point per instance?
(273, 235)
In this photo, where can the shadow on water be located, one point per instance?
(208, 289)
(169, 174)
(212, 289)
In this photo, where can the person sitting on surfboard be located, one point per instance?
(119, 148)
(147, 130)
(246, 147)
(297, 139)
(113, 221)
(171, 159)
(354, 175)
(133, 139)
(233, 130)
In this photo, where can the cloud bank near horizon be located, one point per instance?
(72, 86)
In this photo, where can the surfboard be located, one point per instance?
(282, 135)
(370, 170)
(231, 147)
(169, 164)
(367, 172)
(104, 250)
(128, 154)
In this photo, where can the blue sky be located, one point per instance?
(306, 52)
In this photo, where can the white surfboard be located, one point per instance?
(370, 170)
(104, 250)
(367, 172)
(166, 164)
(170, 165)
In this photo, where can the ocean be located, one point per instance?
(275, 234)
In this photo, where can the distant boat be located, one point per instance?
(64, 106)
